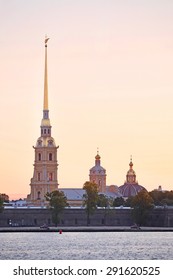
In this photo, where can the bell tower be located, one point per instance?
(97, 174)
(45, 165)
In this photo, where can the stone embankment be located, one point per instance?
(86, 229)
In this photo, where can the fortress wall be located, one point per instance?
(77, 217)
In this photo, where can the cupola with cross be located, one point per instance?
(131, 186)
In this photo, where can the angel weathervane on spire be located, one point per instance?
(46, 40)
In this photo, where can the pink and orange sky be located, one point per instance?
(110, 86)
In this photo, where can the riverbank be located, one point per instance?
(86, 229)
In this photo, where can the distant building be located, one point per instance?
(160, 189)
(74, 196)
(97, 174)
(18, 203)
(131, 186)
(112, 191)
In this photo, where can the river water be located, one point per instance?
(86, 246)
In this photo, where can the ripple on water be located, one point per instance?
(86, 245)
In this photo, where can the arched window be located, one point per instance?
(44, 131)
(39, 177)
(39, 142)
(38, 195)
(50, 156)
(50, 176)
(39, 156)
(48, 131)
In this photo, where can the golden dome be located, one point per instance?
(97, 157)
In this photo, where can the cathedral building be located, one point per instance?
(45, 178)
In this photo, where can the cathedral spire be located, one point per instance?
(131, 175)
(45, 105)
(131, 163)
(45, 175)
(45, 124)
(97, 158)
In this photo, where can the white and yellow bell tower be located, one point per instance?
(45, 165)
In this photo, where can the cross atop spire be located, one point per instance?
(131, 163)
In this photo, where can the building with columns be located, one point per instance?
(45, 178)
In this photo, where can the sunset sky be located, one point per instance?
(110, 75)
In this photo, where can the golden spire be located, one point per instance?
(131, 163)
(97, 157)
(45, 105)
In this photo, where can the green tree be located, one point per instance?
(142, 204)
(57, 202)
(118, 201)
(170, 195)
(162, 198)
(157, 196)
(103, 201)
(128, 201)
(4, 197)
(106, 203)
(167, 201)
(90, 198)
